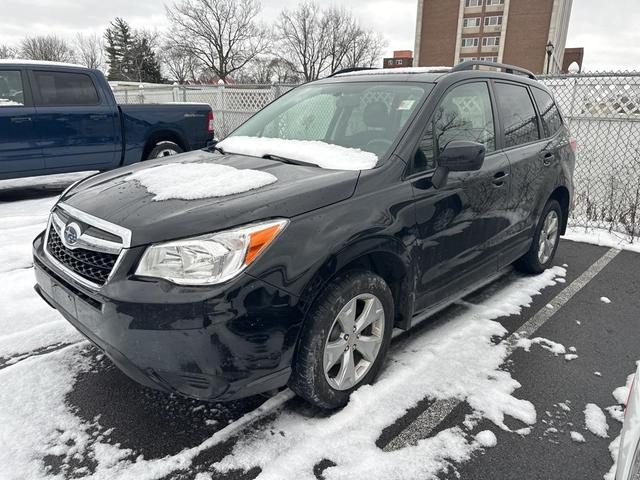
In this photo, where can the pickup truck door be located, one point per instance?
(19, 149)
(79, 128)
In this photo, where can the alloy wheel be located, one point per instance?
(354, 341)
(166, 152)
(548, 237)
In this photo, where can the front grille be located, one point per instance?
(93, 266)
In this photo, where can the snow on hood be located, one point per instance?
(194, 181)
(323, 154)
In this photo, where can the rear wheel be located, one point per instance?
(545, 240)
(345, 339)
(164, 148)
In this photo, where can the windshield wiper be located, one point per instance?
(291, 161)
(213, 147)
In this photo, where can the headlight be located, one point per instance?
(209, 259)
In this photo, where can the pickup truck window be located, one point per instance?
(11, 94)
(64, 88)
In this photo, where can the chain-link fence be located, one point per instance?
(231, 104)
(602, 110)
(603, 113)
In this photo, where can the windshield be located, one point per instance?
(365, 117)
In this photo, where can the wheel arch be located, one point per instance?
(164, 135)
(562, 196)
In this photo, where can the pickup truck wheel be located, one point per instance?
(164, 149)
(345, 339)
(545, 241)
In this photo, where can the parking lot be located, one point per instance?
(495, 386)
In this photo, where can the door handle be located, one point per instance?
(547, 158)
(499, 178)
(20, 119)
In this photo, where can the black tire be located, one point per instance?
(530, 262)
(158, 151)
(308, 378)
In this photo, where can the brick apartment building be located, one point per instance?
(400, 59)
(518, 32)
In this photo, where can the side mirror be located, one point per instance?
(458, 156)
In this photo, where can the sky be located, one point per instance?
(606, 29)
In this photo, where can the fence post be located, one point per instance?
(126, 95)
(175, 92)
(184, 93)
(141, 93)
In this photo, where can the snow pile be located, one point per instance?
(622, 393)
(570, 356)
(577, 437)
(323, 154)
(605, 300)
(595, 420)
(486, 438)
(194, 181)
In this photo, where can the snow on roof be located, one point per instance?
(194, 181)
(325, 155)
(392, 71)
(19, 61)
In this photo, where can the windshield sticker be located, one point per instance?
(406, 104)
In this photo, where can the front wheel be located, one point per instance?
(164, 149)
(545, 240)
(345, 340)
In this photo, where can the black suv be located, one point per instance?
(287, 253)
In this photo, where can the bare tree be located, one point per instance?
(365, 50)
(180, 65)
(320, 41)
(303, 37)
(7, 51)
(223, 34)
(89, 50)
(47, 47)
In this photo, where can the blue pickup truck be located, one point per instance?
(57, 118)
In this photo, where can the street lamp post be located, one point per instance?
(549, 47)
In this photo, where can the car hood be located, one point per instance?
(298, 189)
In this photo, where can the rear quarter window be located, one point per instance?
(551, 119)
(65, 88)
(519, 118)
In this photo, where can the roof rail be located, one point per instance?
(471, 64)
(351, 69)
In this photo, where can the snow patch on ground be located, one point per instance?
(616, 412)
(604, 238)
(564, 406)
(577, 437)
(570, 356)
(550, 345)
(595, 420)
(605, 300)
(194, 181)
(622, 393)
(325, 155)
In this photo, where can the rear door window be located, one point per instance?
(65, 89)
(518, 116)
(551, 119)
(11, 92)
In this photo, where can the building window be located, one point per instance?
(489, 59)
(398, 61)
(472, 3)
(470, 42)
(493, 21)
(471, 22)
(491, 41)
(495, 2)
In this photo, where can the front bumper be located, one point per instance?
(213, 343)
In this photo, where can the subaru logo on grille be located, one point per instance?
(71, 234)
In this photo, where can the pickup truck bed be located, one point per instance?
(57, 118)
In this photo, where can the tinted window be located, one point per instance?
(517, 113)
(551, 119)
(464, 114)
(62, 88)
(11, 94)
